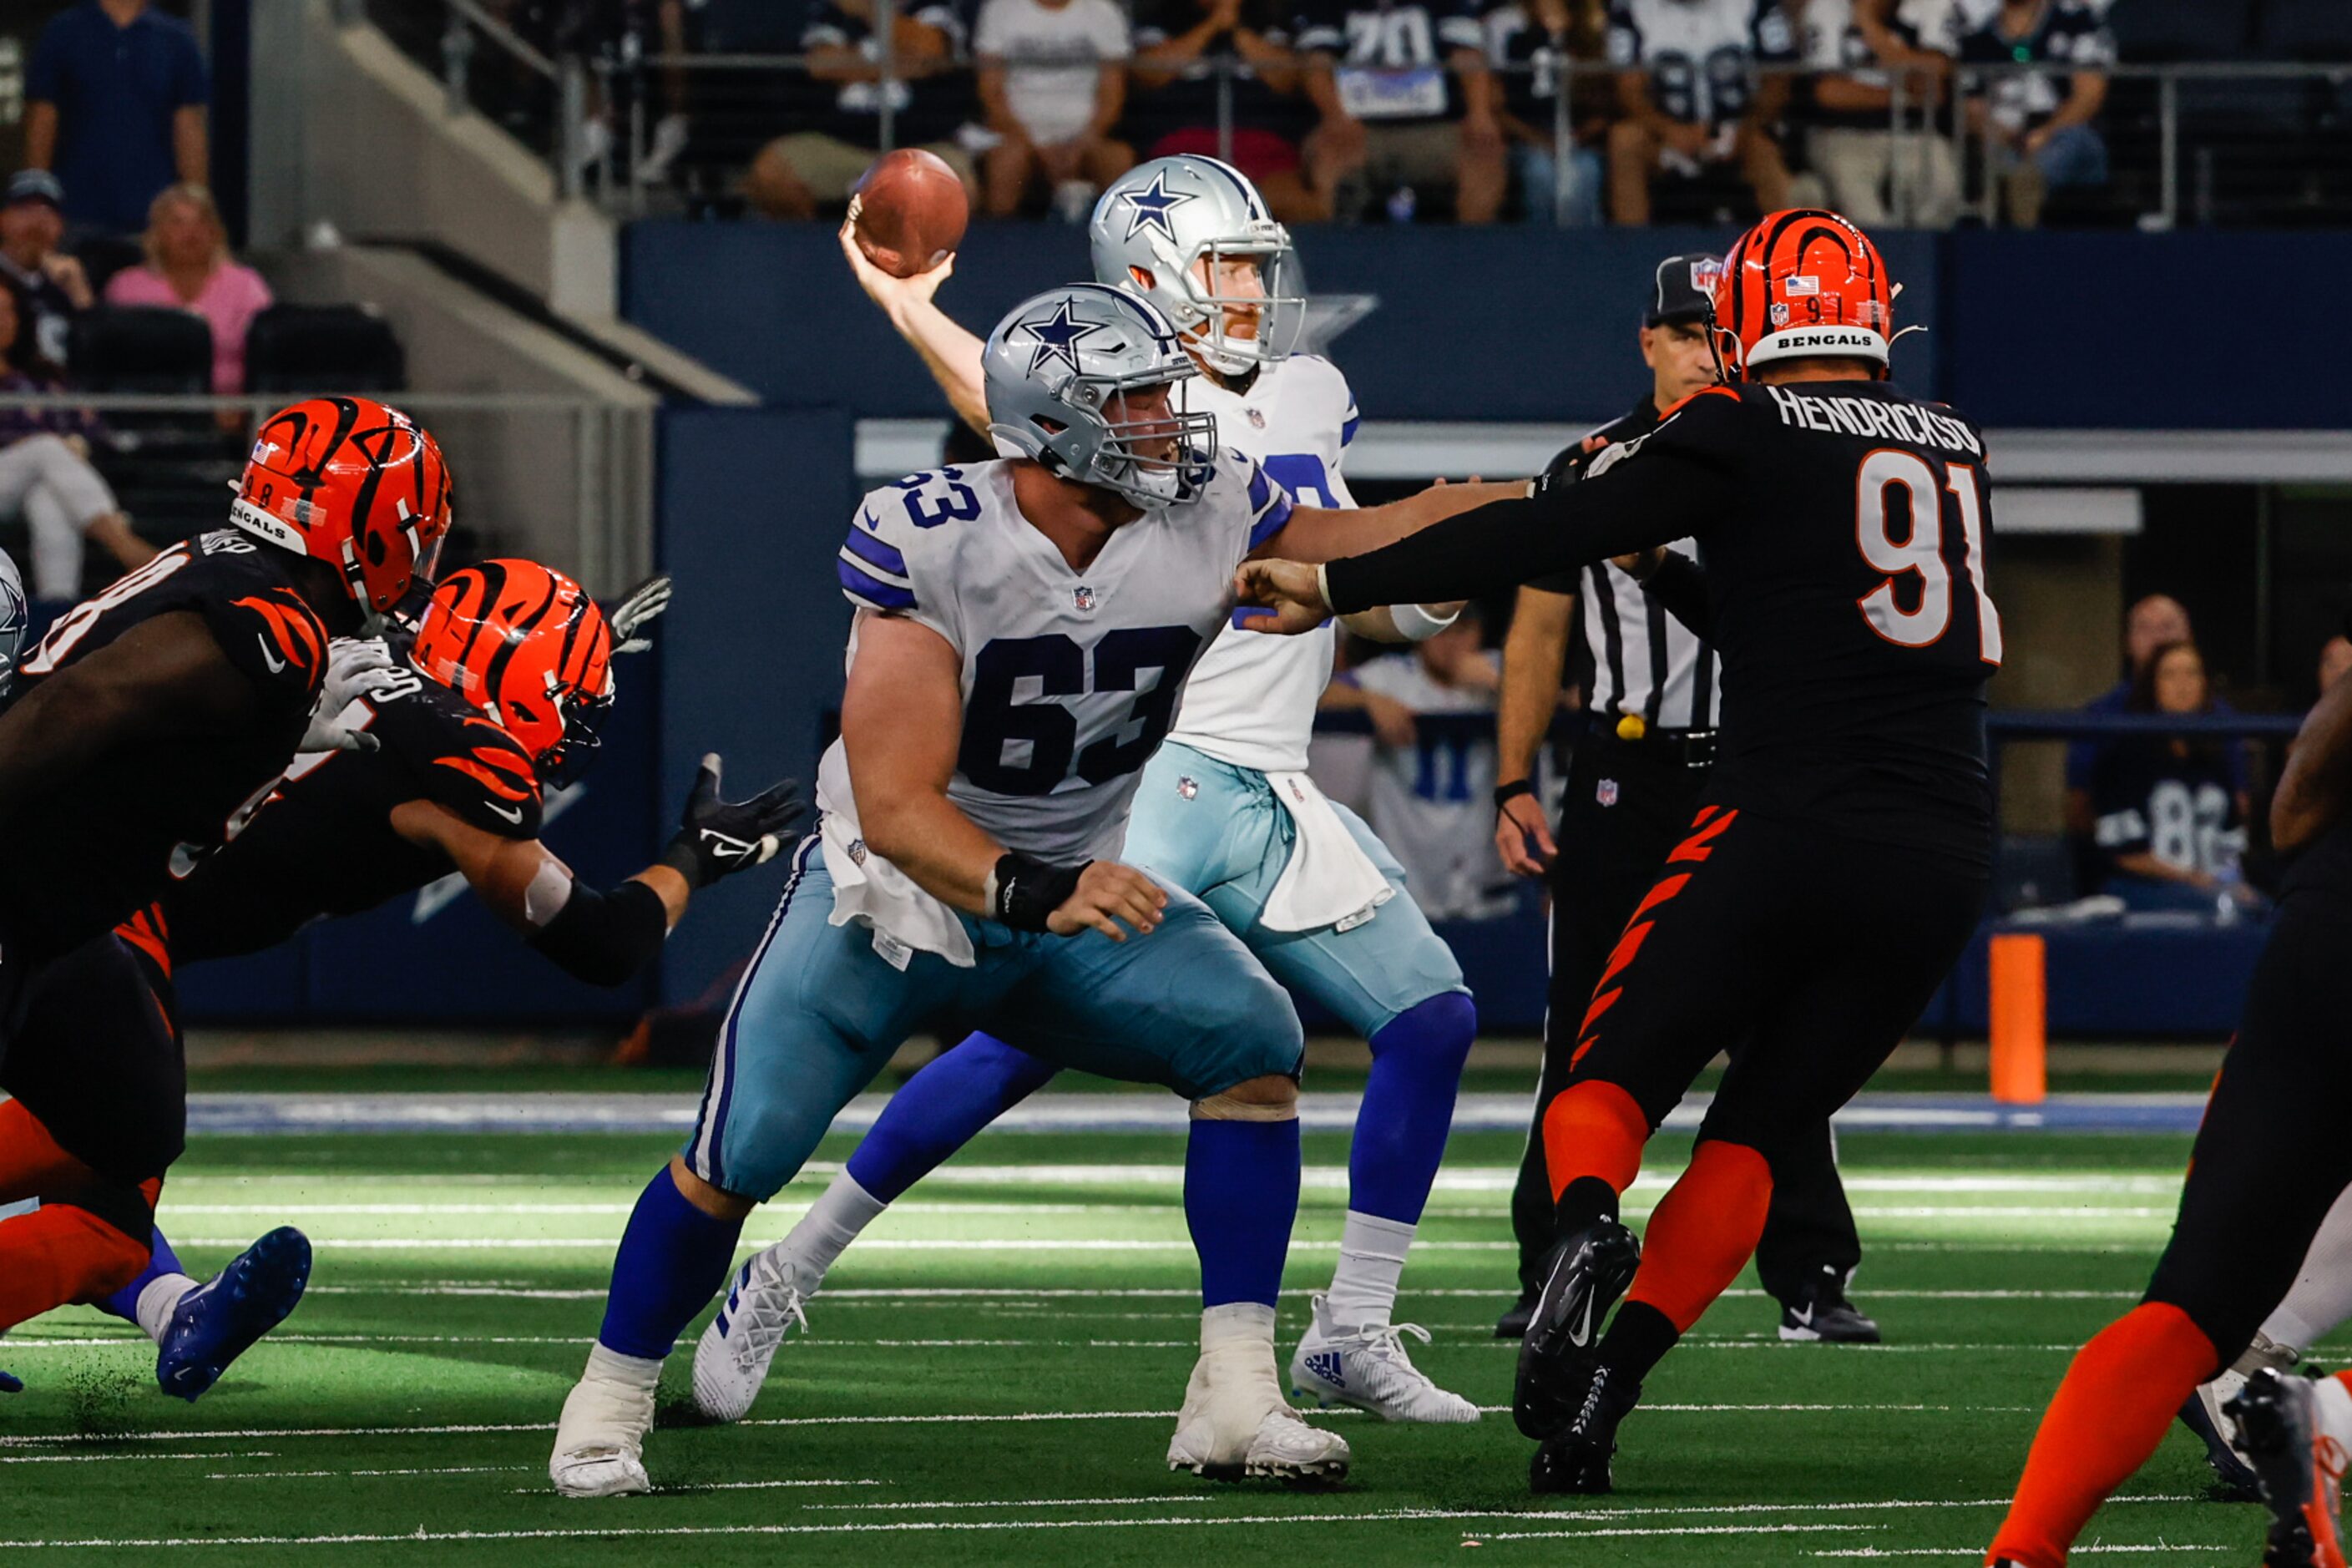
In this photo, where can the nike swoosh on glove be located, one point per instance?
(356, 668)
(718, 838)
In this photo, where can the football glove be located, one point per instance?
(646, 602)
(356, 668)
(718, 838)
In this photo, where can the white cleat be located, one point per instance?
(600, 1439)
(730, 1360)
(1369, 1369)
(1236, 1422)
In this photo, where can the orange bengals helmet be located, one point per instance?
(527, 646)
(351, 482)
(1802, 282)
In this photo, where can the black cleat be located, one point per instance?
(2233, 1479)
(2301, 1471)
(1512, 1324)
(1588, 1272)
(1821, 1311)
(1576, 1459)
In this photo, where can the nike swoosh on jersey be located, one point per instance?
(510, 812)
(276, 665)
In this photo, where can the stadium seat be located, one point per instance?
(104, 255)
(2206, 30)
(315, 348)
(142, 348)
(2305, 30)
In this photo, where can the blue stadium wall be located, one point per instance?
(2027, 331)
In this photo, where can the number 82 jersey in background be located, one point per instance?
(1070, 677)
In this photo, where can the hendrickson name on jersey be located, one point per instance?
(1838, 416)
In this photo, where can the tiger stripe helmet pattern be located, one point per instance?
(527, 646)
(351, 482)
(1802, 282)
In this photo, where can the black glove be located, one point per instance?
(718, 838)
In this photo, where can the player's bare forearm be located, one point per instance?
(164, 678)
(1383, 625)
(519, 879)
(1534, 650)
(1322, 533)
(902, 725)
(2317, 780)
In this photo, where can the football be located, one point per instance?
(910, 212)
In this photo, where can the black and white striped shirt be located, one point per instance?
(1645, 663)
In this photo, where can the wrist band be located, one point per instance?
(1323, 583)
(1417, 625)
(1024, 890)
(1505, 794)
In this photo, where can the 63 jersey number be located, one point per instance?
(1918, 615)
(1013, 745)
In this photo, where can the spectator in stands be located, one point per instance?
(114, 105)
(1532, 44)
(45, 477)
(2335, 658)
(2170, 815)
(2150, 624)
(1694, 96)
(930, 104)
(1433, 767)
(1405, 103)
(1179, 46)
(1857, 50)
(47, 286)
(2041, 138)
(189, 267)
(1053, 82)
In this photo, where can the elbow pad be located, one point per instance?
(605, 939)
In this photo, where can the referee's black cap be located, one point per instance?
(1682, 289)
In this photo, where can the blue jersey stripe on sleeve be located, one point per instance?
(1271, 521)
(882, 557)
(1355, 422)
(1260, 487)
(870, 590)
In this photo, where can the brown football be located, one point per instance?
(911, 212)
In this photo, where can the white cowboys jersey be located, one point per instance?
(1700, 55)
(1251, 698)
(1070, 677)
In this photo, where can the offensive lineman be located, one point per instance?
(964, 877)
(1840, 858)
(152, 712)
(1225, 811)
(500, 694)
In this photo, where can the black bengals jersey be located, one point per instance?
(319, 842)
(82, 857)
(1841, 527)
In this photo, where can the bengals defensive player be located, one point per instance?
(148, 714)
(1839, 854)
(496, 698)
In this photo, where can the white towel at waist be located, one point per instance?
(870, 890)
(1329, 880)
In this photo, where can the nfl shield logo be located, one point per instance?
(1606, 791)
(1705, 273)
(1187, 786)
(1082, 599)
(1257, 420)
(1779, 312)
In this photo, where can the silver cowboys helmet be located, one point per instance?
(1055, 367)
(13, 618)
(1155, 223)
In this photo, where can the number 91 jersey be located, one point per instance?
(1070, 677)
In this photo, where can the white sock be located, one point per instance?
(1371, 1260)
(2322, 1295)
(159, 1301)
(631, 1371)
(1236, 1322)
(840, 1213)
(2331, 1409)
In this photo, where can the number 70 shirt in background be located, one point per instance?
(1070, 677)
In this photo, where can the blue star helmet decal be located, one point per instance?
(1149, 207)
(1058, 336)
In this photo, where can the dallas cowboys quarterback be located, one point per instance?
(1225, 811)
(1023, 632)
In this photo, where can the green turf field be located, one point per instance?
(994, 1372)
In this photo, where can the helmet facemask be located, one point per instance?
(1153, 459)
(1195, 294)
(564, 763)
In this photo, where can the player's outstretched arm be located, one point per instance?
(1326, 533)
(164, 678)
(607, 937)
(2317, 780)
(902, 725)
(949, 352)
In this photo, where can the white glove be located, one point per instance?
(644, 606)
(356, 668)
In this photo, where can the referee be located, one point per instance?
(1631, 790)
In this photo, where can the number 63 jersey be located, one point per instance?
(1070, 677)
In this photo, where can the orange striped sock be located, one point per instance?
(2107, 1419)
(1704, 1231)
(59, 1254)
(30, 1160)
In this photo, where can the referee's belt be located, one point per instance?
(1692, 748)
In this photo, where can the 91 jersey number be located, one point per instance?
(1918, 615)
